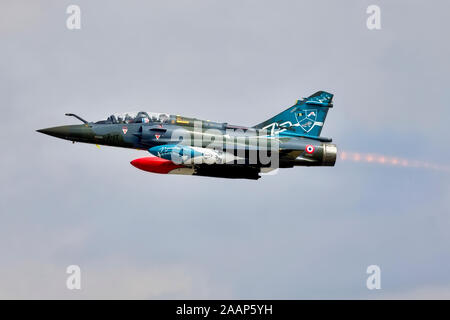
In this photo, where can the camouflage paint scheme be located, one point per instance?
(181, 145)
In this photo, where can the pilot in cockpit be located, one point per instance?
(128, 118)
(112, 119)
(163, 118)
(142, 117)
(153, 118)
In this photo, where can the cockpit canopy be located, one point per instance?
(137, 117)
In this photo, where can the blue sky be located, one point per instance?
(303, 233)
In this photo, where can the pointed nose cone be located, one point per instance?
(81, 133)
(59, 132)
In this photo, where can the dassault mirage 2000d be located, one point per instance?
(181, 145)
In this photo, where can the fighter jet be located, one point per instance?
(182, 145)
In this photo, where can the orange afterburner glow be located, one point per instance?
(389, 161)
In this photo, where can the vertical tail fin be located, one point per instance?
(306, 117)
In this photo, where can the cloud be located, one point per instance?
(437, 292)
(112, 280)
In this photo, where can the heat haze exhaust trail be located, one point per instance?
(390, 161)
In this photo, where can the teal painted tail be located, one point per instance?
(306, 117)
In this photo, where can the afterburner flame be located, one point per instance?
(389, 161)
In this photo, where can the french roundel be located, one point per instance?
(309, 148)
